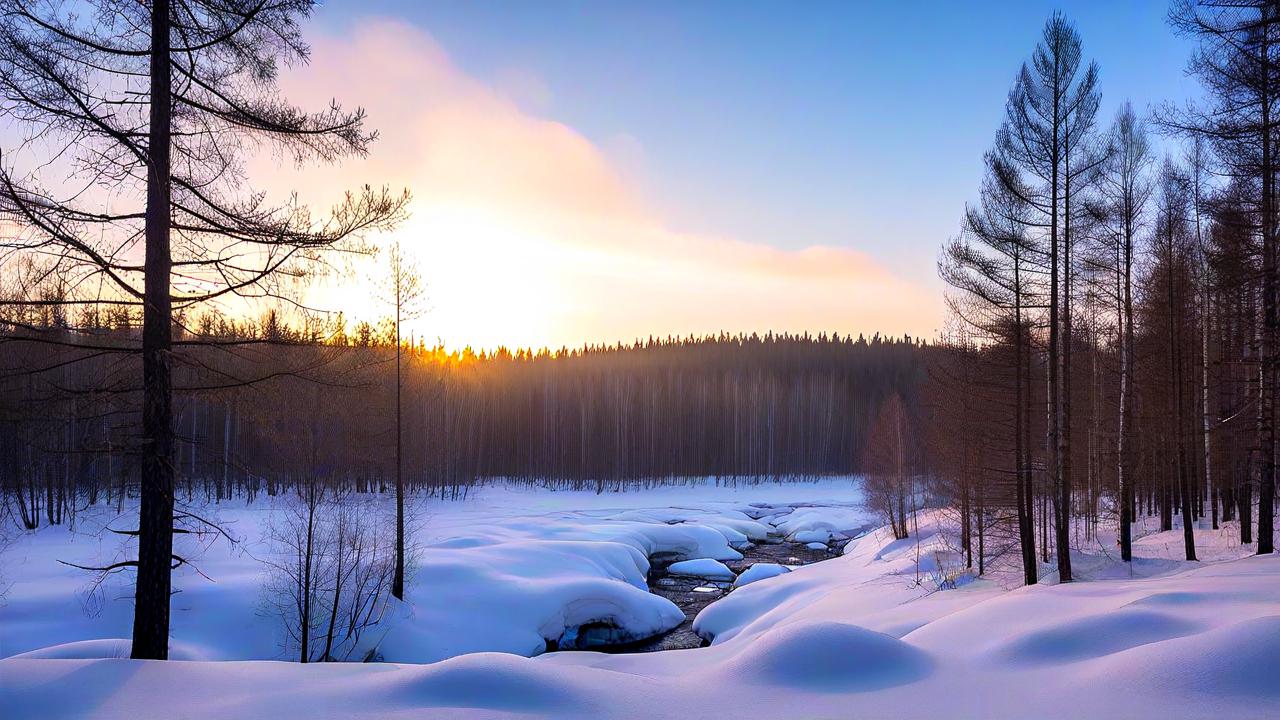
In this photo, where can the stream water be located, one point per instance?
(693, 594)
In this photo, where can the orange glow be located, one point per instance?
(527, 236)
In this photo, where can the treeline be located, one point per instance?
(262, 404)
(1113, 350)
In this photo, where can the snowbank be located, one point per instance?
(883, 570)
(820, 537)
(760, 571)
(702, 568)
(509, 569)
(868, 633)
(821, 523)
(1201, 643)
(516, 596)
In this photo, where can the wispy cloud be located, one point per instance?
(528, 235)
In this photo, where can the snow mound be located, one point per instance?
(510, 569)
(107, 648)
(1201, 598)
(519, 596)
(702, 568)
(736, 538)
(754, 607)
(684, 540)
(812, 536)
(487, 681)
(844, 521)
(873, 584)
(866, 634)
(1095, 636)
(830, 657)
(754, 531)
(1237, 660)
(760, 571)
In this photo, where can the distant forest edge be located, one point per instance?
(260, 404)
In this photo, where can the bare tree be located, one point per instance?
(405, 290)
(329, 573)
(1048, 116)
(1237, 63)
(995, 265)
(1126, 188)
(164, 101)
(890, 473)
(1173, 252)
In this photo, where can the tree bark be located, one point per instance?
(155, 517)
(397, 584)
(1271, 323)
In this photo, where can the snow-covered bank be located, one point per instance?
(509, 569)
(855, 636)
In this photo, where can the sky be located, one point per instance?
(601, 171)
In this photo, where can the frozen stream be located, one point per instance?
(512, 569)
(692, 594)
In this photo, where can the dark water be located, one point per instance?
(693, 594)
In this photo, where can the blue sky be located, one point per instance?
(847, 124)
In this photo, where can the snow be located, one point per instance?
(829, 657)
(760, 571)
(515, 596)
(882, 569)
(812, 537)
(509, 569)
(806, 524)
(874, 632)
(108, 648)
(702, 568)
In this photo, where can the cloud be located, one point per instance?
(528, 234)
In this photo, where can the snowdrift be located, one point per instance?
(869, 633)
(508, 570)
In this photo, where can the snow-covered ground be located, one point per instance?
(508, 570)
(868, 633)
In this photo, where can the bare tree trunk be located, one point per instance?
(337, 590)
(397, 584)
(1063, 498)
(155, 517)
(1022, 432)
(1271, 322)
(304, 629)
(1205, 309)
(1176, 375)
(1125, 450)
(1054, 388)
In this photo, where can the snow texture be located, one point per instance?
(760, 571)
(702, 568)
(877, 631)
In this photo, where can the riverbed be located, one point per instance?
(692, 594)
